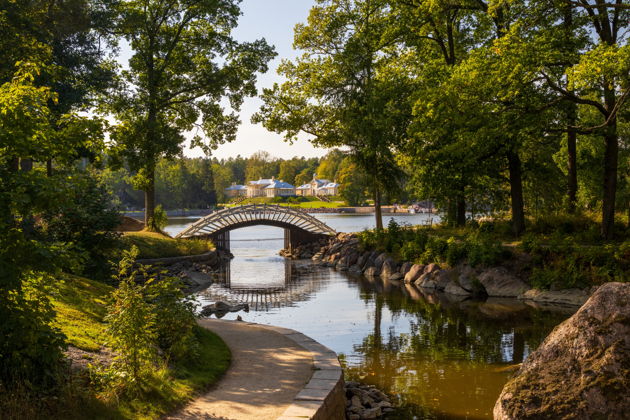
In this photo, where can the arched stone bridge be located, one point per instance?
(299, 226)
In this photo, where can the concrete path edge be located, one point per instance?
(323, 397)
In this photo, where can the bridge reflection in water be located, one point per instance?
(301, 280)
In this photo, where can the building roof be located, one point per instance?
(321, 182)
(262, 182)
(279, 184)
(331, 185)
(304, 187)
(236, 187)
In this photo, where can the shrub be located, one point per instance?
(132, 323)
(84, 219)
(159, 219)
(176, 314)
(30, 348)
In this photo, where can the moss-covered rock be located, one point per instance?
(581, 370)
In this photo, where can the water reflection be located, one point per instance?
(441, 356)
(298, 283)
(456, 355)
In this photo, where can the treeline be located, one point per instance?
(195, 183)
(507, 106)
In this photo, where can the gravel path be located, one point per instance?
(266, 373)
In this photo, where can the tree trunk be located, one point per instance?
(49, 168)
(516, 193)
(149, 201)
(451, 212)
(461, 210)
(377, 207)
(26, 164)
(572, 185)
(611, 156)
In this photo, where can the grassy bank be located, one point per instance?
(557, 252)
(157, 245)
(81, 305)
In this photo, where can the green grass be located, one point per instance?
(81, 306)
(157, 245)
(170, 388)
(310, 203)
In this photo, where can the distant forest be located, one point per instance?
(194, 183)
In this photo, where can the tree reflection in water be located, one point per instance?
(456, 357)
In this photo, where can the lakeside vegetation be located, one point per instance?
(159, 245)
(560, 252)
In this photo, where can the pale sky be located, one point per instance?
(273, 20)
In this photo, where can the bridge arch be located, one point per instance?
(299, 226)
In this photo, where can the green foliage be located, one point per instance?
(159, 219)
(85, 219)
(132, 322)
(31, 347)
(144, 318)
(420, 245)
(176, 314)
(560, 263)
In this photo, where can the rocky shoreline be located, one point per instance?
(194, 271)
(507, 281)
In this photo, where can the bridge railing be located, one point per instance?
(223, 219)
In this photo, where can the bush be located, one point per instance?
(132, 326)
(145, 318)
(30, 348)
(561, 264)
(159, 219)
(84, 219)
(176, 313)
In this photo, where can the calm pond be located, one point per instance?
(443, 358)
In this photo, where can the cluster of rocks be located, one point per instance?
(344, 254)
(303, 251)
(365, 402)
(194, 273)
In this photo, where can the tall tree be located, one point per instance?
(184, 64)
(343, 91)
(600, 80)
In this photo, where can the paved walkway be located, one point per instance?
(266, 373)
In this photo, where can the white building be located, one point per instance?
(279, 189)
(318, 187)
(235, 190)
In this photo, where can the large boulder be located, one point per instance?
(414, 273)
(371, 271)
(388, 268)
(454, 288)
(435, 278)
(581, 370)
(498, 282)
(405, 267)
(378, 262)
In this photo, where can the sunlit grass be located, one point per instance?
(158, 245)
(81, 306)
